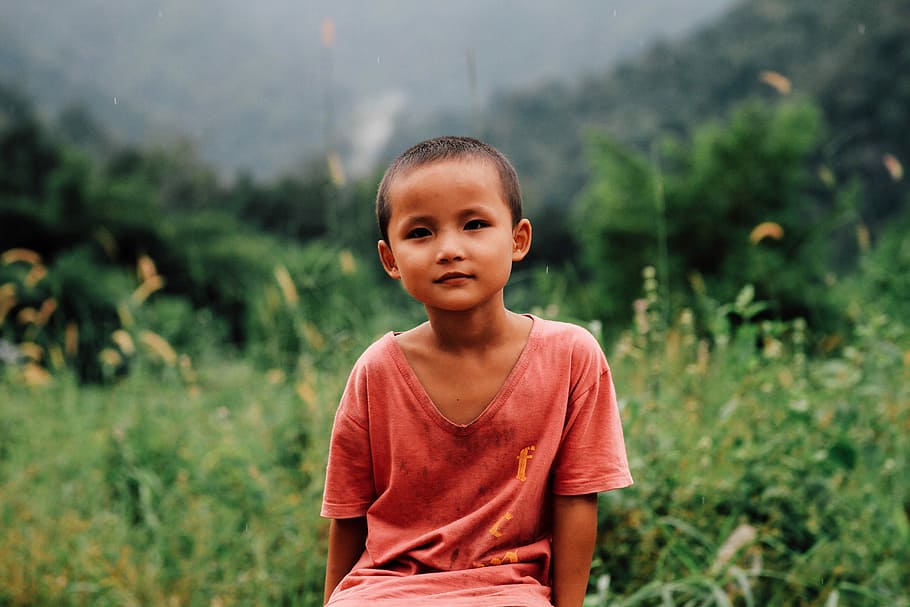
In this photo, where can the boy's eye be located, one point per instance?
(417, 233)
(475, 224)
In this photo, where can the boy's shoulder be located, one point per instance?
(566, 333)
(559, 343)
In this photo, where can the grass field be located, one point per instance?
(764, 476)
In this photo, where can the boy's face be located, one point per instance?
(451, 238)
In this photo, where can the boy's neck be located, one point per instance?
(473, 330)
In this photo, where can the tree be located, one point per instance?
(700, 204)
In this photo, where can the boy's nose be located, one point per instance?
(450, 248)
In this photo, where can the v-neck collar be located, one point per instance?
(501, 397)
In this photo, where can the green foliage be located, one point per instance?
(882, 281)
(615, 222)
(734, 176)
(88, 293)
(695, 212)
(322, 287)
(155, 494)
(872, 111)
(213, 271)
(28, 156)
(764, 477)
(293, 208)
(175, 175)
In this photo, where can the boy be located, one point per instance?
(467, 453)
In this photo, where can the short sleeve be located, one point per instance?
(349, 486)
(592, 453)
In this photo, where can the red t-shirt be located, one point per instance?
(459, 514)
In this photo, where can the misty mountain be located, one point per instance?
(852, 58)
(261, 86)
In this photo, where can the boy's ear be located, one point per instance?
(388, 259)
(521, 240)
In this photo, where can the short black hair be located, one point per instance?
(447, 148)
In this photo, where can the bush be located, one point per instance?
(764, 476)
(738, 204)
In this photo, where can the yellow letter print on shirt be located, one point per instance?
(509, 557)
(494, 530)
(523, 458)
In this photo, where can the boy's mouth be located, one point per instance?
(452, 276)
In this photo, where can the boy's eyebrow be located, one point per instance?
(474, 211)
(478, 210)
(418, 219)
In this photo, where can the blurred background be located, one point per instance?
(187, 273)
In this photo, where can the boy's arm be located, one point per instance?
(574, 535)
(347, 540)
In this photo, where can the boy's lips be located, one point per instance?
(452, 276)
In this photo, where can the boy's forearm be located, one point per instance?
(574, 535)
(347, 540)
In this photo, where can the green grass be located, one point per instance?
(764, 476)
(155, 493)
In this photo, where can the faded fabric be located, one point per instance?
(460, 514)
